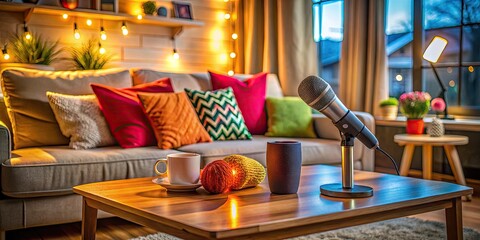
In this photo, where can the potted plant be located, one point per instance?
(389, 108)
(34, 53)
(149, 7)
(414, 105)
(89, 56)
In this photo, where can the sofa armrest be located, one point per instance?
(5, 142)
(325, 129)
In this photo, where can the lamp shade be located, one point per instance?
(435, 49)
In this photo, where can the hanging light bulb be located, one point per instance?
(233, 55)
(124, 29)
(103, 34)
(89, 22)
(227, 16)
(175, 54)
(65, 16)
(76, 33)
(230, 73)
(101, 50)
(6, 56)
(139, 17)
(234, 36)
(26, 33)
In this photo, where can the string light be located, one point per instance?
(101, 50)
(65, 16)
(227, 16)
(234, 36)
(6, 56)
(26, 33)
(89, 22)
(76, 33)
(233, 55)
(124, 29)
(103, 34)
(230, 73)
(139, 17)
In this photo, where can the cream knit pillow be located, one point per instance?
(81, 120)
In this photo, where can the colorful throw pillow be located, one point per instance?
(124, 112)
(81, 120)
(289, 117)
(173, 119)
(219, 113)
(250, 95)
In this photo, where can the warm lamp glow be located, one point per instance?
(76, 33)
(124, 29)
(233, 55)
(231, 73)
(233, 211)
(6, 56)
(65, 16)
(139, 17)
(89, 22)
(26, 33)
(101, 50)
(103, 34)
(28, 36)
(435, 49)
(234, 172)
(227, 16)
(175, 54)
(234, 36)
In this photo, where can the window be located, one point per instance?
(328, 34)
(459, 66)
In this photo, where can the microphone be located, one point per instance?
(318, 94)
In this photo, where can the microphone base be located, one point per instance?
(336, 190)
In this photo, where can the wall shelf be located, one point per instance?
(176, 24)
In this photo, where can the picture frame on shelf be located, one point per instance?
(182, 10)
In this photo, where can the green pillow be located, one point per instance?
(289, 117)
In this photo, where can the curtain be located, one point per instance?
(363, 79)
(276, 37)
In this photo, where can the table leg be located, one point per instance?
(427, 161)
(406, 159)
(89, 221)
(455, 165)
(454, 220)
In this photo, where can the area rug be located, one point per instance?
(401, 228)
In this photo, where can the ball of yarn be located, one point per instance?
(216, 177)
(246, 172)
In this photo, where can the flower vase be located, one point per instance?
(415, 126)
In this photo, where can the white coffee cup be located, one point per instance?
(182, 168)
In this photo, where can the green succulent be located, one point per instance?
(389, 102)
(149, 7)
(88, 56)
(35, 50)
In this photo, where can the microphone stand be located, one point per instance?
(347, 189)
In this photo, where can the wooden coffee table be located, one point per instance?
(256, 213)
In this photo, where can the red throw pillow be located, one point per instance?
(124, 113)
(250, 95)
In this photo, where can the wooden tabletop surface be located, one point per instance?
(421, 139)
(257, 210)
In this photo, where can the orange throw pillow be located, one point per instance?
(173, 119)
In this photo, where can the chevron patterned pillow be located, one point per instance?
(219, 113)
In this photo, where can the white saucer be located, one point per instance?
(176, 187)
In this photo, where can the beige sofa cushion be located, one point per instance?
(50, 171)
(32, 119)
(198, 81)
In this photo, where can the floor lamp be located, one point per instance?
(431, 54)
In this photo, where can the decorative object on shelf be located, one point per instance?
(49, 3)
(436, 128)
(389, 108)
(432, 54)
(438, 105)
(28, 1)
(216, 177)
(246, 172)
(414, 105)
(35, 50)
(109, 5)
(69, 4)
(149, 7)
(182, 10)
(88, 56)
(162, 11)
(284, 163)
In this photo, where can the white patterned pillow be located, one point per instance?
(81, 120)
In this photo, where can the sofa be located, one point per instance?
(37, 181)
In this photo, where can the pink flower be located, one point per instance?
(438, 105)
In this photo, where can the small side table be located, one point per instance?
(447, 141)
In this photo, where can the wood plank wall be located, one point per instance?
(146, 46)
